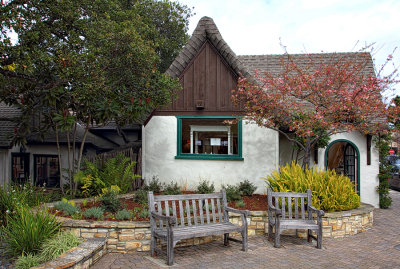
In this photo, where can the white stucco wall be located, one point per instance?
(369, 180)
(259, 150)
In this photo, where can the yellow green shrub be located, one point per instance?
(330, 191)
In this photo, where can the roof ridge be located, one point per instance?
(305, 54)
(206, 30)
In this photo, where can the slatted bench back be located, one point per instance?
(189, 209)
(293, 205)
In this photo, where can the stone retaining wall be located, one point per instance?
(345, 223)
(135, 236)
(80, 257)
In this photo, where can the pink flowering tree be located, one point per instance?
(314, 97)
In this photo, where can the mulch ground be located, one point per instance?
(256, 202)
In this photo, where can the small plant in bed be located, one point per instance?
(94, 212)
(141, 197)
(232, 193)
(247, 188)
(153, 185)
(124, 214)
(109, 199)
(205, 187)
(172, 189)
(67, 207)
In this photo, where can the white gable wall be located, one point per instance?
(159, 145)
(369, 180)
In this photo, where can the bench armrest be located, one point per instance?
(238, 211)
(312, 209)
(277, 211)
(170, 220)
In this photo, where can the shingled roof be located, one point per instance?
(273, 63)
(206, 30)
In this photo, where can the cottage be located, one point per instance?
(189, 140)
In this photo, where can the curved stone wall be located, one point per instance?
(135, 236)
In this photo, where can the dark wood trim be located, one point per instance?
(216, 51)
(369, 142)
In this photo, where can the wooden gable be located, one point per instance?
(207, 83)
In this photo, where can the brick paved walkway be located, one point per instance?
(374, 248)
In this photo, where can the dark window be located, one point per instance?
(47, 170)
(20, 167)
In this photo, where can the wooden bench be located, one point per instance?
(301, 218)
(178, 217)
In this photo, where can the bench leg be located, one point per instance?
(153, 242)
(170, 251)
(319, 238)
(244, 240)
(277, 243)
(226, 241)
(309, 238)
(269, 232)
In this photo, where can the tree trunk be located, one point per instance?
(307, 155)
(69, 163)
(82, 145)
(59, 160)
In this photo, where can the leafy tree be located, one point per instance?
(79, 62)
(315, 98)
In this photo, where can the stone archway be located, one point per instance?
(343, 156)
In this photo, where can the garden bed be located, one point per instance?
(256, 202)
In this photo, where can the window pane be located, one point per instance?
(209, 136)
(47, 170)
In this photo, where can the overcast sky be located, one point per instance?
(258, 26)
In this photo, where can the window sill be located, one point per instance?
(210, 157)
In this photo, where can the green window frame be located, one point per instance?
(194, 156)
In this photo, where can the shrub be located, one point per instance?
(172, 189)
(330, 191)
(51, 249)
(124, 215)
(57, 245)
(385, 201)
(13, 195)
(118, 171)
(141, 197)
(7, 203)
(240, 204)
(247, 188)
(144, 213)
(95, 212)
(205, 187)
(154, 185)
(28, 261)
(67, 207)
(114, 171)
(26, 230)
(109, 199)
(89, 178)
(232, 193)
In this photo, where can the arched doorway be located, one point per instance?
(343, 156)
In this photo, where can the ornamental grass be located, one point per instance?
(330, 192)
